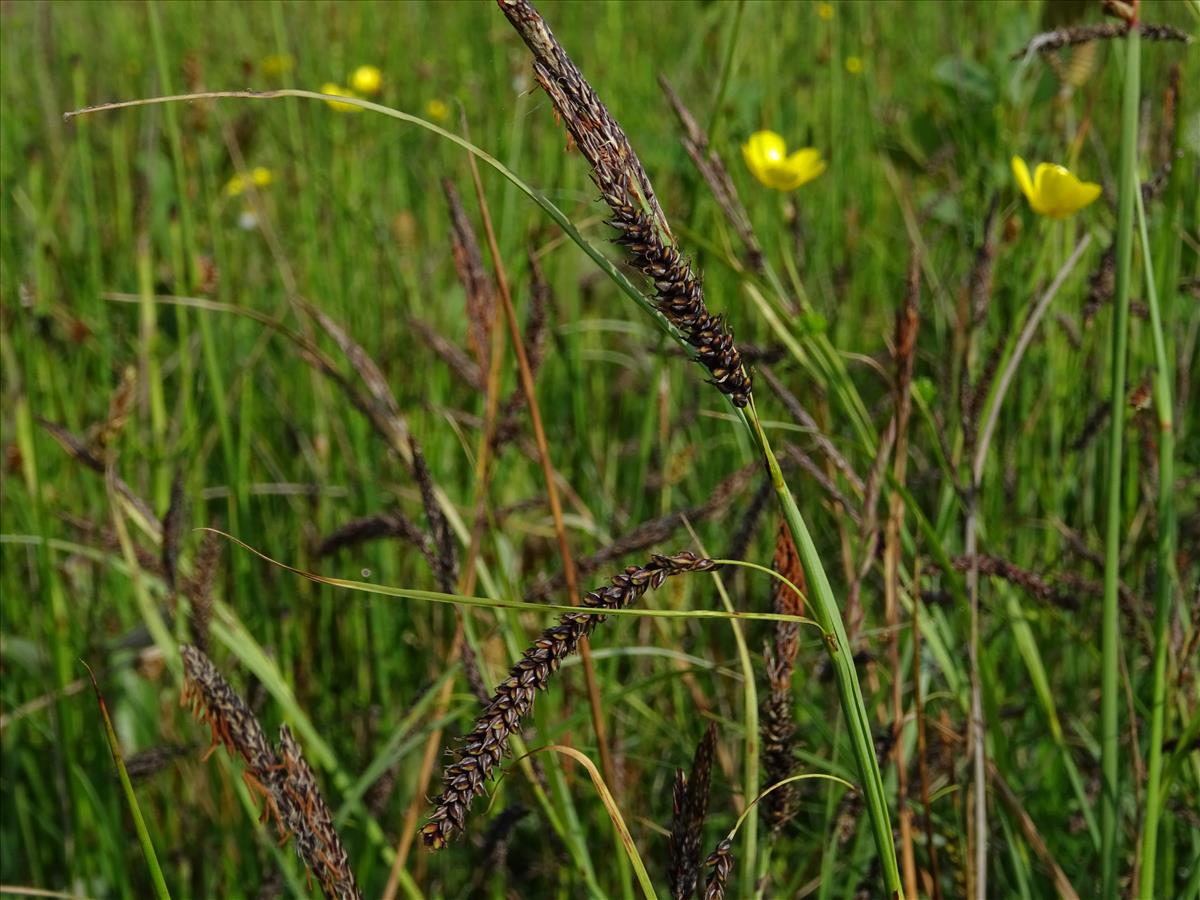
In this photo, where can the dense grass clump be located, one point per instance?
(316, 418)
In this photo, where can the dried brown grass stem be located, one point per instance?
(1102, 31)
(712, 169)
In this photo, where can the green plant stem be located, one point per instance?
(750, 776)
(829, 617)
(1166, 550)
(1109, 647)
(714, 117)
(139, 823)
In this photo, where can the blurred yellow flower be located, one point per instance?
(437, 110)
(1053, 191)
(366, 80)
(854, 65)
(338, 91)
(276, 64)
(768, 160)
(259, 176)
(825, 11)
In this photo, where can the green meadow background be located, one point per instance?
(917, 108)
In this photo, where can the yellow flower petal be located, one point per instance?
(437, 110)
(1061, 193)
(1021, 173)
(261, 176)
(234, 186)
(338, 91)
(764, 148)
(366, 80)
(806, 164)
(855, 65)
(781, 178)
(825, 11)
(764, 152)
(1053, 191)
(767, 159)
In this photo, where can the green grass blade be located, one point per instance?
(1164, 406)
(139, 823)
(1127, 186)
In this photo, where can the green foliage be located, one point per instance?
(105, 219)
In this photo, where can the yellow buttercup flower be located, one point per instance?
(768, 160)
(338, 91)
(825, 11)
(366, 80)
(855, 65)
(259, 176)
(437, 110)
(1053, 191)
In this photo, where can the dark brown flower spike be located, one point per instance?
(198, 589)
(776, 723)
(317, 840)
(721, 861)
(484, 747)
(690, 810)
(636, 214)
(284, 780)
(1102, 31)
(172, 525)
(233, 723)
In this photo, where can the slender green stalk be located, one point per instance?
(1109, 647)
(829, 617)
(714, 117)
(750, 725)
(139, 823)
(1166, 551)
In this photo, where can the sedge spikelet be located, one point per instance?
(233, 723)
(284, 780)
(199, 589)
(721, 862)
(172, 525)
(317, 840)
(445, 557)
(776, 723)
(636, 214)
(468, 262)
(690, 796)
(1103, 31)
(484, 747)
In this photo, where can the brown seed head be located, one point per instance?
(483, 748)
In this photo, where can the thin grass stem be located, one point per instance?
(139, 823)
(1166, 550)
(1110, 650)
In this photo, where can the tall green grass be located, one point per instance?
(134, 203)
